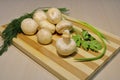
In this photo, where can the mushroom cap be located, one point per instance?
(47, 25)
(39, 15)
(63, 25)
(29, 26)
(44, 36)
(65, 49)
(54, 15)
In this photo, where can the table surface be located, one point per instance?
(104, 14)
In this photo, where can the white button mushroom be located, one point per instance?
(29, 26)
(63, 25)
(65, 46)
(39, 15)
(47, 25)
(54, 15)
(44, 36)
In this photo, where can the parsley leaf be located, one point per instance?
(78, 40)
(85, 45)
(86, 36)
(95, 45)
(87, 41)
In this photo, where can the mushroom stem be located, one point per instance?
(66, 36)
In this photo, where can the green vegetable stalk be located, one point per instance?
(98, 33)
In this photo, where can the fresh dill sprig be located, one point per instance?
(14, 27)
(11, 31)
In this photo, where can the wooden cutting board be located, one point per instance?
(66, 68)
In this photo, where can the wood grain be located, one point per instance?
(65, 68)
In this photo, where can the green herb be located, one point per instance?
(87, 41)
(86, 36)
(11, 31)
(77, 39)
(85, 45)
(95, 45)
(14, 27)
(94, 30)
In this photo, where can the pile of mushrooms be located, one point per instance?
(45, 24)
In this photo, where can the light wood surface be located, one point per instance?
(66, 68)
(103, 14)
